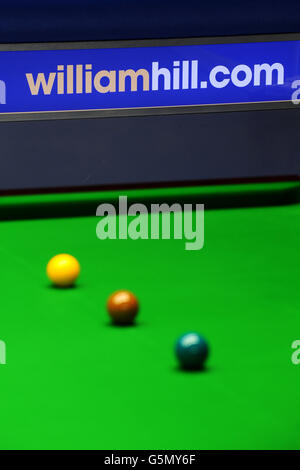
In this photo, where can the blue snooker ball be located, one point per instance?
(191, 351)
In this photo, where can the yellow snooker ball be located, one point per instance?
(63, 270)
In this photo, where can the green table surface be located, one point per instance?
(73, 381)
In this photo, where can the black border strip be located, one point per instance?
(154, 111)
(150, 42)
(153, 185)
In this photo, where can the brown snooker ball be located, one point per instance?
(122, 307)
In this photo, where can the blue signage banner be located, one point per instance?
(55, 79)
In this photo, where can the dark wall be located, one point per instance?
(74, 20)
(146, 149)
(39, 154)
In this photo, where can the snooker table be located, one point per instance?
(74, 381)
